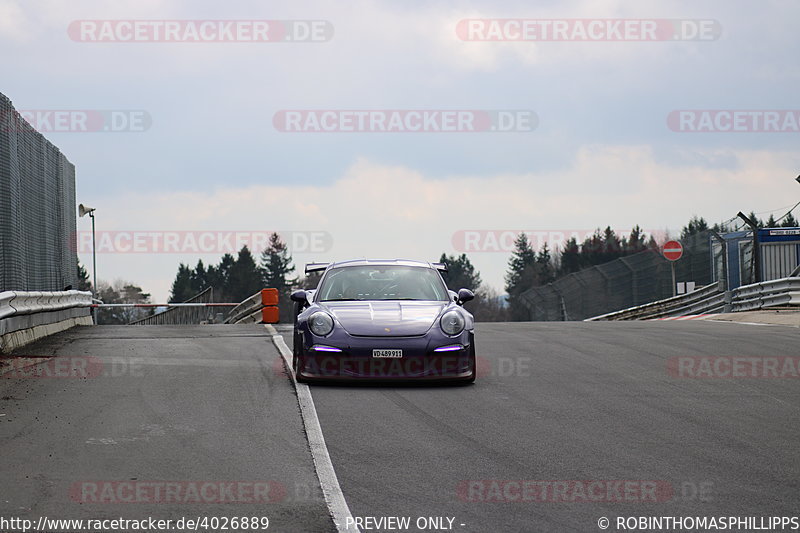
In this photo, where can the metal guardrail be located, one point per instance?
(196, 310)
(784, 291)
(244, 310)
(252, 309)
(711, 299)
(703, 300)
(13, 303)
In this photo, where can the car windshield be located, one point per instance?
(392, 282)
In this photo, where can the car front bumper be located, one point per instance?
(420, 359)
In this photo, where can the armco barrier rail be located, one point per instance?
(28, 302)
(198, 309)
(26, 316)
(785, 291)
(712, 299)
(260, 307)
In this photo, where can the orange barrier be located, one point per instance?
(269, 313)
(269, 296)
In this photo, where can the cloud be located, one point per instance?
(13, 22)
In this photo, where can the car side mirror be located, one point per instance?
(299, 296)
(465, 295)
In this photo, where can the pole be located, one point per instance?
(674, 284)
(756, 249)
(94, 267)
(724, 245)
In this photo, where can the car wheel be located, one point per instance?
(474, 374)
(297, 352)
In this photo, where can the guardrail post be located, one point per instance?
(724, 245)
(634, 281)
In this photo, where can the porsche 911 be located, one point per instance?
(382, 320)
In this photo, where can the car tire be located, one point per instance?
(474, 374)
(297, 352)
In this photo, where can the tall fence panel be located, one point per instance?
(626, 282)
(37, 209)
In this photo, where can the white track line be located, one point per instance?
(319, 451)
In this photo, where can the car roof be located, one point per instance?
(381, 262)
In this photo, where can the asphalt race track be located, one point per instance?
(184, 404)
(593, 416)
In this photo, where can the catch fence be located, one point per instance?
(37, 209)
(625, 282)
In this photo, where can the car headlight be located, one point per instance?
(452, 323)
(320, 323)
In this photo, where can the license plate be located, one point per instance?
(387, 353)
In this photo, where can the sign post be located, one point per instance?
(673, 250)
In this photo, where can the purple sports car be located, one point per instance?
(383, 320)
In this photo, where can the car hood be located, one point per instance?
(385, 319)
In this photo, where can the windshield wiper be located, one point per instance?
(344, 300)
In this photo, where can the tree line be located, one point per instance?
(236, 279)
(528, 268)
(233, 279)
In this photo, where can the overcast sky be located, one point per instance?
(602, 151)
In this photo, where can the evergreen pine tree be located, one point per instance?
(636, 242)
(245, 277)
(757, 221)
(771, 223)
(223, 277)
(276, 265)
(199, 282)
(182, 286)
(695, 225)
(520, 276)
(612, 247)
(83, 279)
(789, 221)
(461, 273)
(570, 258)
(276, 269)
(544, 266)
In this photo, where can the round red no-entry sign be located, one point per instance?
(673, 250)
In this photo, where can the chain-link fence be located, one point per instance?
(37, 209)
(626, 282)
